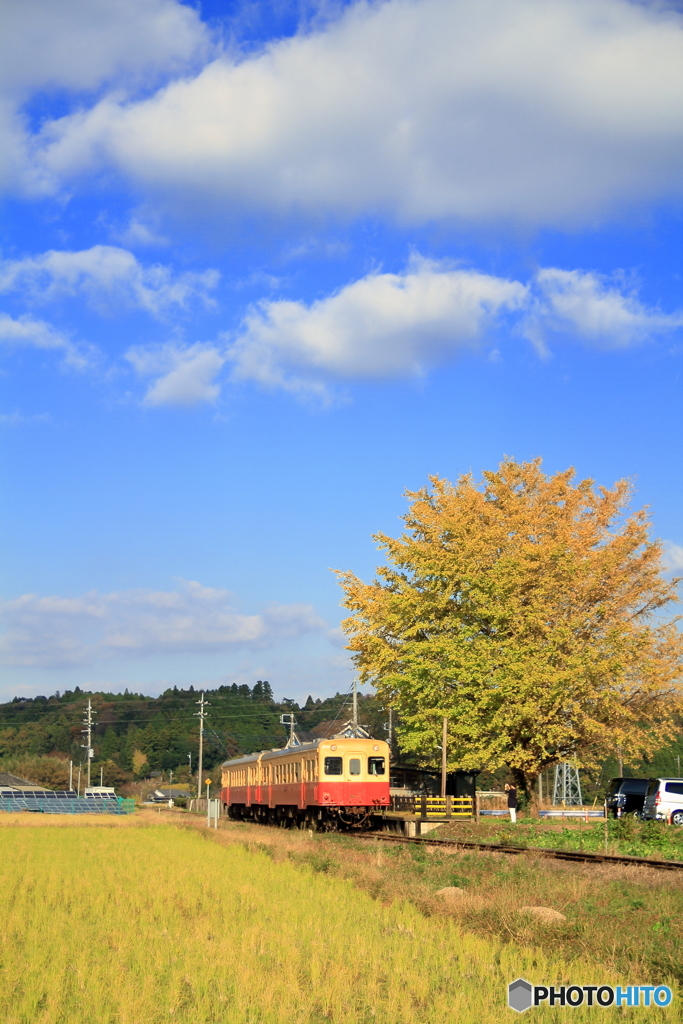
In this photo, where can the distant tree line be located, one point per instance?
(136, 736)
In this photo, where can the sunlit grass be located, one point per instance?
(143, 925)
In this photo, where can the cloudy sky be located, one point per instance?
(264, 266)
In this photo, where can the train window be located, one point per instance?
(354, 766)
(375, 766)
(297, 775)
(333, 766)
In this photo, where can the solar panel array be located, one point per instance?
(47, 801)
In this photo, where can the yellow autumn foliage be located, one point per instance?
(529, 610)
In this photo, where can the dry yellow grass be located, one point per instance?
(142, 923)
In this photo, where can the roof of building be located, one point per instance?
(7, 780)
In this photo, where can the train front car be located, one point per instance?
(337, 783)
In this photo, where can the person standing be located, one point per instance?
(512, 801)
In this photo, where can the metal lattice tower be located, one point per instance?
(567, 787)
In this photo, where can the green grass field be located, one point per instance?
(153, 923)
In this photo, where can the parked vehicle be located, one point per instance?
(626, 796)
(664, 801)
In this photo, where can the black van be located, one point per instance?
(626, 796)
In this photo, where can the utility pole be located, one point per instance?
(621, 762)
(79, 779)
(101, 776)
(201, 715)
(444, 757)
(355, 709)
(390, 737)
(71, 775)
(87, 732)
(290, 720)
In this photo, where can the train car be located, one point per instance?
(327, 784)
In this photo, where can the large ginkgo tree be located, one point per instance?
(530, 611)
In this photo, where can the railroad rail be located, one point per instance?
(538, 851)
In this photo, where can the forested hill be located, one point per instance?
(135, 735)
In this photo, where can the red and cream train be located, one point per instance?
(325, 784)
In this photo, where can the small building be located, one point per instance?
(166, 793)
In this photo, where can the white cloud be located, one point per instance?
(80, 45)
(137, 233)
(388, 325)
(106, 275)
(383, 325)
(587, 306)
(16, 418)
(540, 111)
(58, 631)
(27, 332)
(184, 376)
(673, 556)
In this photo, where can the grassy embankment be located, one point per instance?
(626, 835)
(151, 923)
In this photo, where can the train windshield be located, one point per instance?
(333, 766)
(375, 766)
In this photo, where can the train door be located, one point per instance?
(354, 776)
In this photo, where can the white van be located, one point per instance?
(664, 800)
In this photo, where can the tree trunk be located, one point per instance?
(522, 782)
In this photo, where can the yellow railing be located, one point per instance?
(444, 807)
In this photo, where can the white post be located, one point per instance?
(71, 775)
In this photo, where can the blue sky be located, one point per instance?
(265, 266)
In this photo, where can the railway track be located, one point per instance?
(537, 851)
